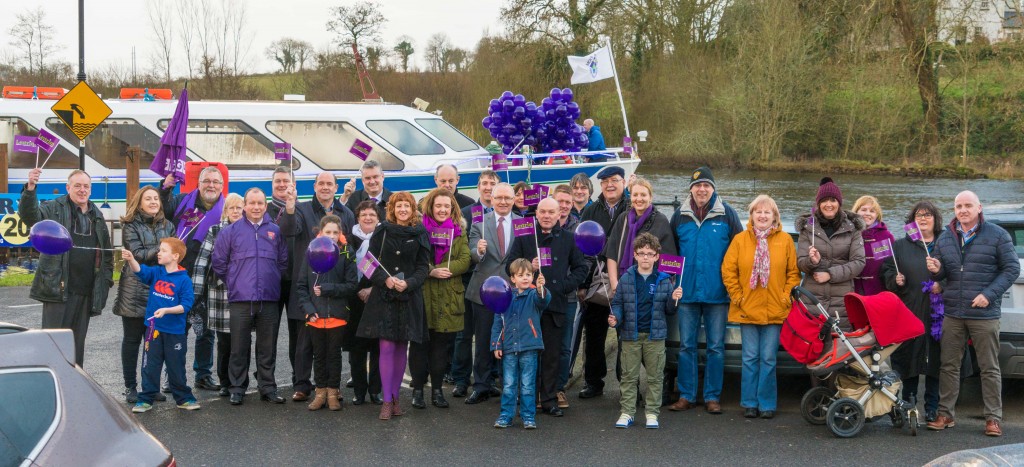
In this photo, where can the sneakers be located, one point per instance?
(188, 405)
(563, 402)
(142, 407)
(625, 421)
(652, 422)
(131, 395)
(530, 425)
(502, 423)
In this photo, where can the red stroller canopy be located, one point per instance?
(890, 320)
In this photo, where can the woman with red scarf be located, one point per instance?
(644, 217)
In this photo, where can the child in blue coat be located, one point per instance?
(516, 341)
(170, 299)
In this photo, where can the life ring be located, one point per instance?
(566, 158)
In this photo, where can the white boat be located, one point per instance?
(408, 143)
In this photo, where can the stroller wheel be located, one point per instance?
(814, 405)
(845, 418)
(898, 417)
(913, 419)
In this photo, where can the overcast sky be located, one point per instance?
(113, 28)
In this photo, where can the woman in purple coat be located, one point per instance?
(870, 282)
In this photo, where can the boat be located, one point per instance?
(408, 143)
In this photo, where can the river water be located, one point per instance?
(794, 192)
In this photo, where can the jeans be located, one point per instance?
(652, 354)
(759, 389)
(203, 363)
(518, 378)
(134, 333)
(714, 316)
(985, 335)
(169, 349)
(565, 361)
(462, 356)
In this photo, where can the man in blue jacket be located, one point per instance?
(595, 140)
(978, 262)
(251, 255)
(703, 227)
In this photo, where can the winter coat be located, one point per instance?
(987, 265)
(251, 260)
(567, 271)
(626, 298)
(170, 202)
(595, 139)
(444, 299)
(491, 263)
(760, 305)
(50, 282)
(703, 244)
(337, 287)
(209, 287)
(597, 211)
(518, 329)
(359, 196)
(142, 237)
(919, 356)
(869, 281)
(301, 228)
(389, 314)
(842, 256)
(656, 224)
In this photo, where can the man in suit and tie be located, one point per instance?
(489, 242)
(373, 188)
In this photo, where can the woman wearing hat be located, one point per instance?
(830, 251)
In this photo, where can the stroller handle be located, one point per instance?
(798, 291)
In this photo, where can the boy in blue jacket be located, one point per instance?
(517, 342)
(170, 298)
(642, 300)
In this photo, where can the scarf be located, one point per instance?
(828, 226)
(761, 259)
(193, 220)
(700, 212)
(633, 224)
(364, 246)
(938, 309)
(432, 226)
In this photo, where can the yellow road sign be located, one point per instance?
(81, 110)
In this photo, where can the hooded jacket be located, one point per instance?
(760, 305)
(626, 298)
(987, 265)
(142, 236)
(251, 259)
(703, 244)
(568, 266)
(518, 329)
(842, 256)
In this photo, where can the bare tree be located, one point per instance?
(161, 23)
(572, 24)
(33, 36)
(916, 22)
(186, 14)
(359, 22)
(404, 50)
(374, 55)
(289, 53)
(438, 52)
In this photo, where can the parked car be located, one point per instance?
(53, 413)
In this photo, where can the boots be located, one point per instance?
(417, 399)
(385, 411)
(395, 409)
(333, 398)
(437, 398)
(319, 400)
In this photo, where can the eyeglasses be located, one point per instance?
(611, 180)
(503, 198)
(923, 215)
(645, 255)
(212, 182)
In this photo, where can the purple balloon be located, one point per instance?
(561, 111)
(506, 96)
(547, 104)
(519, 113)
(590, 238)
(496, 294)
(519, 100)
(566, 95)
(494, 129)
(322, 254)
(525, 123)
(50, 238)
(531, 107)
(486, 122)
(495, 105)
(508, 106)
(540, 133)
(556, 94)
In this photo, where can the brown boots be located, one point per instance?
(328, 396)
(385, 411)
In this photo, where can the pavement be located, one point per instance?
(259, 433)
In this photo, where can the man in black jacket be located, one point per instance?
(447, 176)
(610, 204)
(567, 271)
(373, 188)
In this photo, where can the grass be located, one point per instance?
(19, 279)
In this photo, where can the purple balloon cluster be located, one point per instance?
(549, 127)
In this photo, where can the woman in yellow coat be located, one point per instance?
(759, 271)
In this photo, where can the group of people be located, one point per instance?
(397, 297)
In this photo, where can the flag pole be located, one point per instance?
(618, 88)
(451, 242)
(923, 243)
(536, 244)
(894, 256)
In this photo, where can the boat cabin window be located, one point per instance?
(443, 131)
(14, 126)
(231, 142)
(109, 142)
(407, 138)
(329, 144)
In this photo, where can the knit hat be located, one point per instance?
(703, 174)
(828, 189)
(493, 148)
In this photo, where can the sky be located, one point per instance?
(113, 28)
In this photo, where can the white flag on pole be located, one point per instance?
(593, 67)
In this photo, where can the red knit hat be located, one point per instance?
(828, 189)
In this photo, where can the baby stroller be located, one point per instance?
(866, 387)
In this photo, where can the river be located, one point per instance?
(794, 192)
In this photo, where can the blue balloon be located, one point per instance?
(49, 237)
(496, 294)
(589, 238)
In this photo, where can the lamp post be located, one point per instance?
(81, 71)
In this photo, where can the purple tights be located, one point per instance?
(393, 357)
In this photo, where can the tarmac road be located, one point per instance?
(259, 433)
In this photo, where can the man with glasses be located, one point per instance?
(72, 286)
(611, 203)
(373, 188)
(193, 214)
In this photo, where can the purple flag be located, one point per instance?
(544, 190)
(24, 143)
(881, 250)
(545, 256)
(532, 196)
(440, 236)
(170, 158)
(478, 214)
(360, 149)
(627, 145)
(368, 265)
(913, 231)
(810, 220)
(47, 141)
(671, 264)
(522, 227)
(499, 162)
(283, 151)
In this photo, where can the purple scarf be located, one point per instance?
(633, 225)
(195, 222)
(441, 250)
(938, 309)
